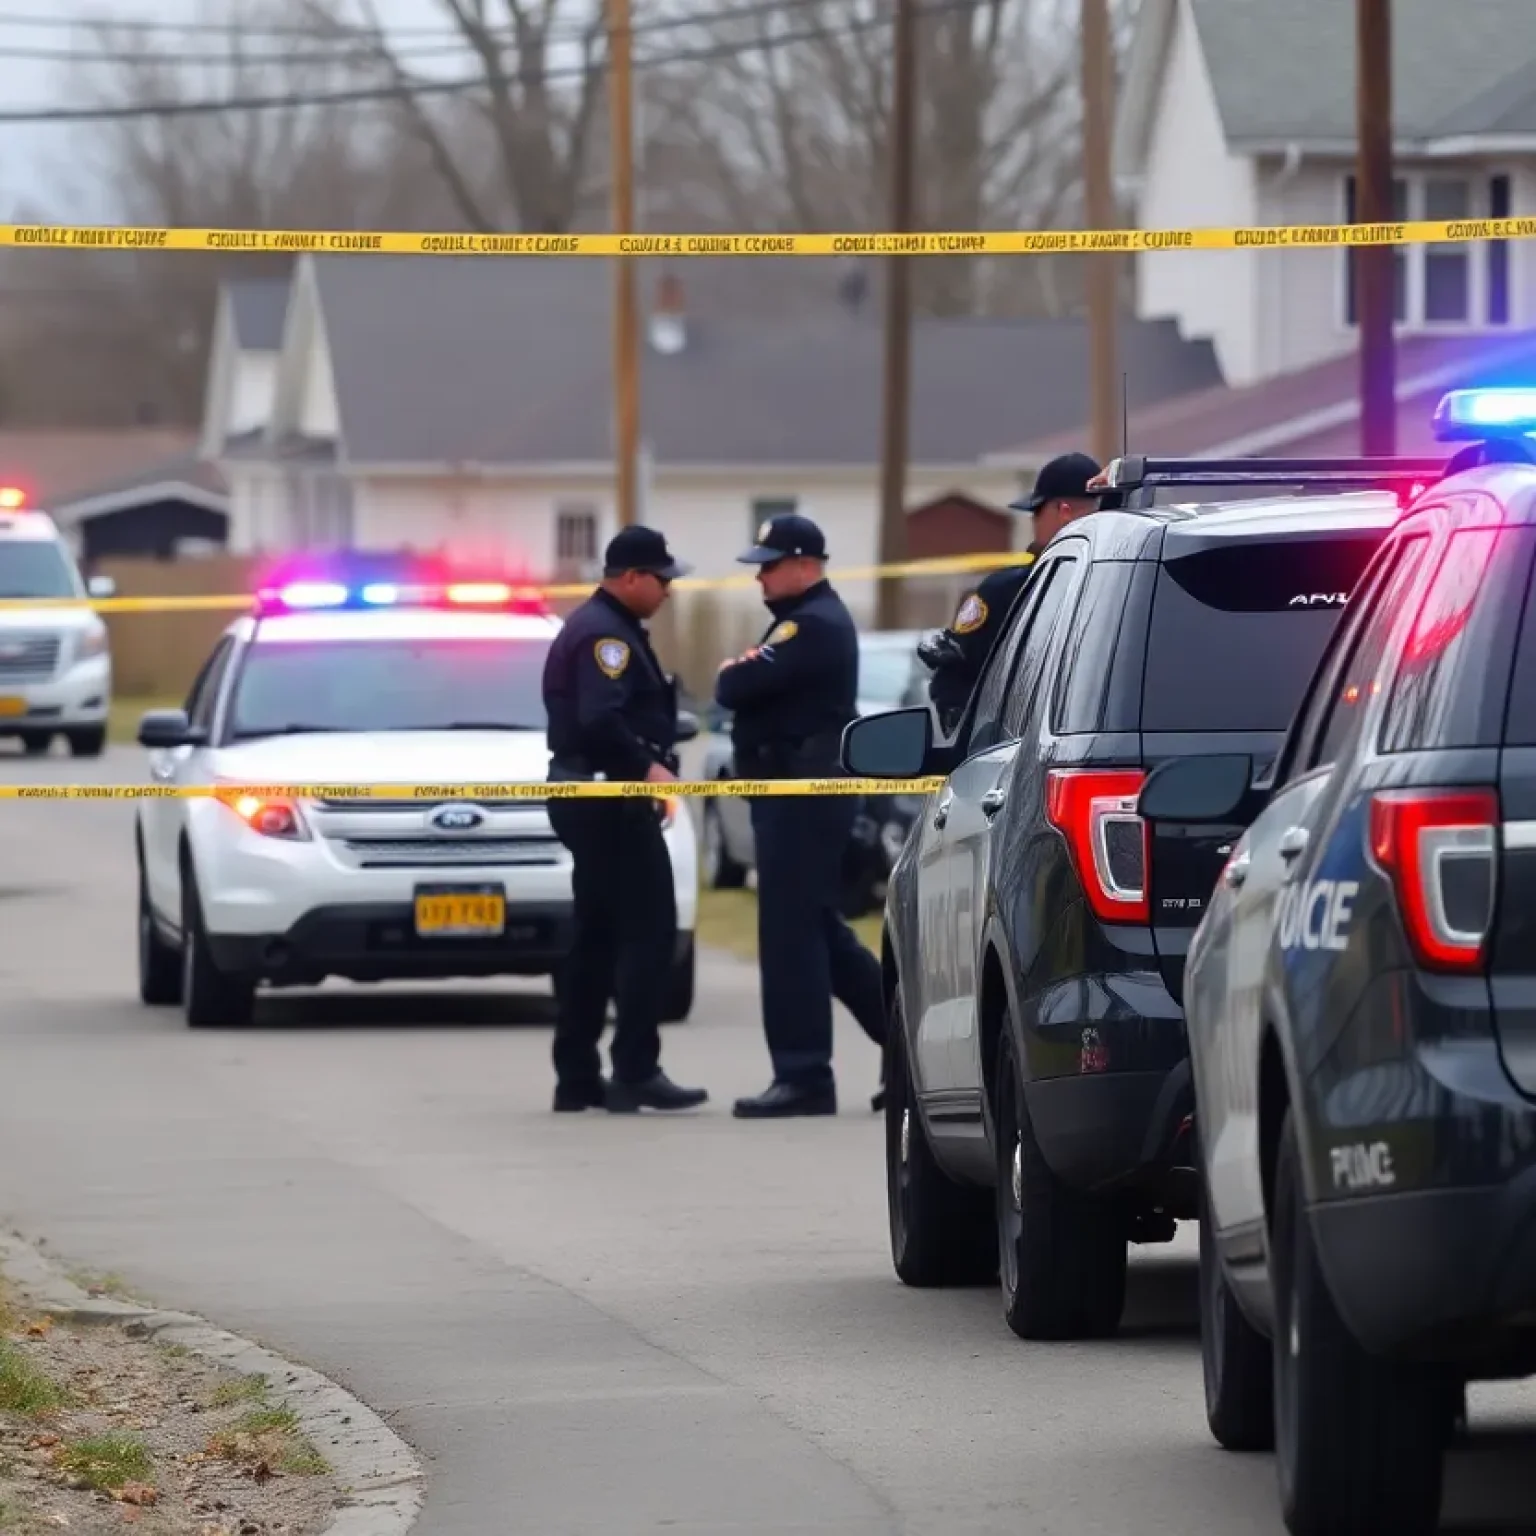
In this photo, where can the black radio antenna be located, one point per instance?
(1125, 415)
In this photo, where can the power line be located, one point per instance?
(359, 95)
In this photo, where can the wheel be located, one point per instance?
(1237, 1359)
(36, 743)
(1359, 1441)
(159, 963)
(89, 741)
(680, 987)
(1063, 1253)
(941, 1232)
(721, 871)
(211, 998)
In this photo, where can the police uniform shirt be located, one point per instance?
(977, 623)
(612, 710)
(794, 691)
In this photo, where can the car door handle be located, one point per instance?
(992, 801)
(1293, 843)
(1237, 871)
(941, 810)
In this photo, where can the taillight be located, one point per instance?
(1095, 810)
(1440, 850)
(271, 818)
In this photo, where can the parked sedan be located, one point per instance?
(890, 677)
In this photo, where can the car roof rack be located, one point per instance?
(1135, 473)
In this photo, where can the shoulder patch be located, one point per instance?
(612, 656)
(972, 615)
(782, 632)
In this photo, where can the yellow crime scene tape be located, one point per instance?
(947, 565)
(1001, 242)
(602, 789)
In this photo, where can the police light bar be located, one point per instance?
(319, 596)
(12, 498)
(1475, 415)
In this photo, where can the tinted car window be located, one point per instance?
(1235, 636)
(1453, 676)
(35, 568)
(204, 698)
(992, 690)
(1090, 647)
(1039, 646)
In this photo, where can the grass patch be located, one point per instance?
(303, 1461)
(175, 1351)
(123, 716)
(24, 1389)
(243, 1389)
(269, 1436)
(106, 1462)
(728, 920)
(268, 1421)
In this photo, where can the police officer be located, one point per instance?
(957, 654)
(791, 695)
(613, 715)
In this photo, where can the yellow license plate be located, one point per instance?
(461, 913)
(12, 707)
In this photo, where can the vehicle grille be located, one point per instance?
(28, 656)
(482, 853)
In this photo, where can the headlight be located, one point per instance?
(92, 642)
(271, 818)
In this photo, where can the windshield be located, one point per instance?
(885, 673)
(390, 685)
(38, 568)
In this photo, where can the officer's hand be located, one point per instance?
(656, 774)
(935, 649)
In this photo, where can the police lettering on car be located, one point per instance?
(791, 695)
(957, 654)
(613, 715)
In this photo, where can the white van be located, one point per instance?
(55, 665)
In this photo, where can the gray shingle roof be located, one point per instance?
(503, 362)
(259, 309)
(1284, 70)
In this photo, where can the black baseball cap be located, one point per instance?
(641, 549)
(1063, 479)
(783, 536)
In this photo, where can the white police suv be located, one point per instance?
(55, 666)
(329, 683)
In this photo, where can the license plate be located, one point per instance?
(13, 707)
(465, 913)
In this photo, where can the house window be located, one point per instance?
(1449, 285)
(575, 535)
(766, 507)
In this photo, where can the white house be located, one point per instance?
(465, 405)
(1243, 112)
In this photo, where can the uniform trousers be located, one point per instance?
(626, 932)
(807, 953)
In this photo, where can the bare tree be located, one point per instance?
(514, 150)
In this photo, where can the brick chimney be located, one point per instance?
(669, 316)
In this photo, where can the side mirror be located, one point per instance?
(687, 725)
(894, 745)
(101, 586)
(1198, 790)
(161, 729)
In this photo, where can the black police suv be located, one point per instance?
(1361, 1001)
(1039, 1106)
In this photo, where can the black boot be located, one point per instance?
(783, 1100)
(659, 1092)
(573, 1098)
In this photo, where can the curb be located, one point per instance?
(382, 1481)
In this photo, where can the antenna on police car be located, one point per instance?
(1125, 415)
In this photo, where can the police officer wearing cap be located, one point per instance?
(613, 715)
(791, 695)
(957, 654)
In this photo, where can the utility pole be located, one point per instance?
(1098, 86)
(1375, 265)
(898, 319)
(626, 337)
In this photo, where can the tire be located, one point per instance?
(160, 964)
(680, 987)
(89, 742)
(210, 998)
(1063, 1253)
(721, 871)
(1237, 1360)
(36, 743)
(942, 1233)
(1359, 1441)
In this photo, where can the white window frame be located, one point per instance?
(1477, 322)
(568, 514)
(761, 508)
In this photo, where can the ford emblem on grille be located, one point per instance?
(457, 818)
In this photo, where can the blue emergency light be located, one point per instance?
(1475, 415)
(314, 596)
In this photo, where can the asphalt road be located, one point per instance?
(586, 1325)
